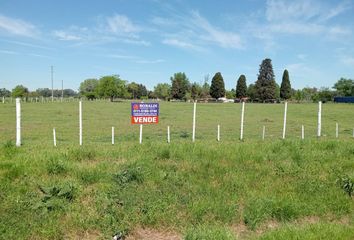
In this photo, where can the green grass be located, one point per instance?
(201, 190)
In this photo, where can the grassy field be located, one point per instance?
(251, 189)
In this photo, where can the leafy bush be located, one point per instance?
(55, 197)
(131, 174)
(347, 184)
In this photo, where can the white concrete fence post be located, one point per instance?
(242, 120)
(319, 122)
(263, 132)
(141, 134)
(218, 134)
(168, 134)
(302, 132)
(54, 138)
(112, 135)
(80, 123)
(3, 99)
(284, 124)
(337, 130)
(18, 122)
(194, 116)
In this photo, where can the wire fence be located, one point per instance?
(98, 118)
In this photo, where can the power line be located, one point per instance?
(51, 67)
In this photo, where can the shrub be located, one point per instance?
(131, 174)
(346, 184)
(56, 166)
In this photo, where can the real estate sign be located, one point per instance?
(145, 113)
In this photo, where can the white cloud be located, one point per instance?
(348, 60)
(342, 7)
(121, 25)
(301, 56)
(181, 44)
(121, 56)
(65, 36)
(338, 30)
(163, 22)
(281, 10)
(136, 42)
(117, 28)
(26, 44)
(307, 17)
(151, 61)
(193, 31)
(9, 52)
(38, 55)
(222, 38)
(17, 27)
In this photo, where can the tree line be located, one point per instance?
(264, 89)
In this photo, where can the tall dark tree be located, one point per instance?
(137, 91)
(194, 91)
(265, 84)
(217, 88)
(180, 85)
(285, 87)
(241, 87)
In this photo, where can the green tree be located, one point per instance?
(251, 92)
(180, 85)
(285, 88)
(277, 91)
(20, 91)
(194, 91)
(230, 94)
(162, 91)
(133, 89)
(205, 89)
(217, 88)
(137, 91)
(325, 95)
(112, 87)
(88, 88)
(4, 92)
(265, 84)
(299, 96)
(344, 87)
(241, 87)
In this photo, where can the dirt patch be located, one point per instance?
(89, 235)
(240, 230)
(148, 234)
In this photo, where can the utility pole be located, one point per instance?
(51, 68)
(62, 90)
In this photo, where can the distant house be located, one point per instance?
(344, 99)
(225, 100)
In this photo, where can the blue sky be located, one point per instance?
(146, 41)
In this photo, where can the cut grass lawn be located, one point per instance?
(276, 189)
